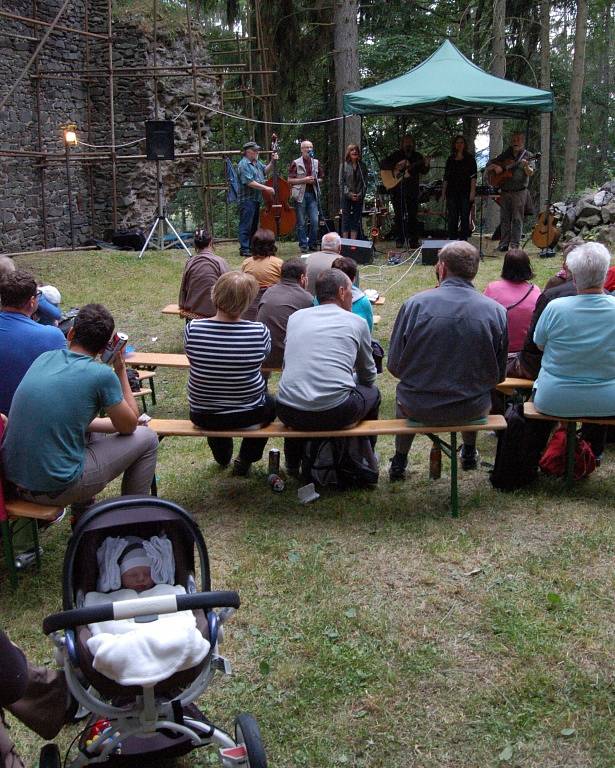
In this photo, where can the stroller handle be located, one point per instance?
(141, 606)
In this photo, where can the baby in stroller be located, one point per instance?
(144, 716)
(145, 650)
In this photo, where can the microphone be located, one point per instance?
(311, 153)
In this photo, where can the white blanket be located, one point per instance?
(134, 653)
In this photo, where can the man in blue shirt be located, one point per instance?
(252, 174)
(21, 339)
(56, 450)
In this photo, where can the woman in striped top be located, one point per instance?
(226, 389)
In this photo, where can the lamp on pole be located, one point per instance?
(70, 140)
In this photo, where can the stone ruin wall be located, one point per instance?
(63, 101)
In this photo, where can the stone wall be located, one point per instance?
(36, 192)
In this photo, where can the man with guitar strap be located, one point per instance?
(402, 169)
(511, 172)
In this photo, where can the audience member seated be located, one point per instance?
(21, 339)
(226, 389)
(318, 261)
(328, 380)
(516, 294)
(264, 265)
(526, 363)
(361, 305)
(141, 653)
(448, 349)
(37, 696)
(575, 333)
(55, 450)
(200, 274)
(279, 302)
(49, 312)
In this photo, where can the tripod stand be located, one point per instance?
(160, 220)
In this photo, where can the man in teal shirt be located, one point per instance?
(56, 450)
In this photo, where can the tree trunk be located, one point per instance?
(576, 91)
(605, 82)
(346, 68)
(545, 83)
(498, 67)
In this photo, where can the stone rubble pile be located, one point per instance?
(591, 216)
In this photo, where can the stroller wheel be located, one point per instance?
(248, 733)
(50, 757)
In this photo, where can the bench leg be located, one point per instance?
(153, 388)
(37, 553)
(9, 554)
(454, 490)
(571, 444)
(449, 450)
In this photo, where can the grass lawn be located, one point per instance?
(374, 629)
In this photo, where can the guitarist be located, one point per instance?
(408, 164)
(513, 189)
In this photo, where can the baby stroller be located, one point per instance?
(137, 723)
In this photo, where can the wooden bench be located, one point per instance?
(173, 309)
(570, 422)
(511, 386)
(151, 360)
(185, 428)
(16, 509)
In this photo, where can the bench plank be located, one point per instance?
(511, 385)
(166, 359)
(185, 428)
(17, 508)
(529, 410)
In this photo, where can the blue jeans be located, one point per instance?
(248, 222)
(307, 209)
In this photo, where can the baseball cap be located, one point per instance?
(250, 145)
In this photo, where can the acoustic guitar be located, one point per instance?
(391, 178)
(546, 233)
(508, 166)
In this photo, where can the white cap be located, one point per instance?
(134, 559)
(51, 293)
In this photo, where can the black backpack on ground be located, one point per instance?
(340, 462)
(520, 447)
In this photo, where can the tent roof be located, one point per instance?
(447, 83)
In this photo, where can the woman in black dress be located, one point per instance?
(459, 189)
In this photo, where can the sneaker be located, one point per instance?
(244, 254)
(304, 250)
(397, 470)
(470, 458)
(502, 248)
(241, 468)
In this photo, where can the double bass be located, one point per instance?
(278, 215)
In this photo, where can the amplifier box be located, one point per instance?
(362, 251)
(431, 249)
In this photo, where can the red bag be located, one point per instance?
(553, 461)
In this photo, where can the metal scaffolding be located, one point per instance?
(251, 59)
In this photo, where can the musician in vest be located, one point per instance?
(407, 165)
(513, 189)
(252, 174)
(304, 175)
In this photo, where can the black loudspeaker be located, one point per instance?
(362, 251)
(159, 139)
(431, 249)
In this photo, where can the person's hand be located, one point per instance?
(119, 363)
(496, 168)
(308, 179)
(269, 191)
(401, 166)
(275, 156)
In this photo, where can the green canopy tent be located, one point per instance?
(448, 84)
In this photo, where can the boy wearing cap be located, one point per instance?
(252, 174)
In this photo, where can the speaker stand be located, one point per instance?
(160, 221)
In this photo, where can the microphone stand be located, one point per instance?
(321, 215)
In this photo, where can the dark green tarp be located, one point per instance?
(449, 84)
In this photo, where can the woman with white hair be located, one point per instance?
(577, 375)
